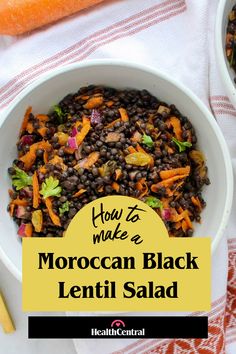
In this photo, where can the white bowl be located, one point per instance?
(226, 72)
(49, 89)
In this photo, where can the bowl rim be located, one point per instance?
(220, 53)
(153, 71)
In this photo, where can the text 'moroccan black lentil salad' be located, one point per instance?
(101, 141)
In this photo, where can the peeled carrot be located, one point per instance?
(196, 202)
(124, 115)
(30, 156)
(115, 186)
(21, 202)
(167, 182)
(175, 122)
(35, 190)
(111, 125)
(55, 219)
(131, 149)
(20, 16)
(79, 193)
(89, 161)
(94, 102)
(28, 230)
(174, 172)
(28, 111)
(84, 131)
(142, 186)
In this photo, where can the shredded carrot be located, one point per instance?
(175, 122)
(93, 102)
(109, 103)
(79, 193)
(177, 225)
(188, 221)
(45, 157)
(89, 161)
(170, 150)
(28, 230)
(111, 125)
(21, 202)
(42, 131)
(131, 149)
(26, 119)
(174, 172)
(43, 170)
(30, 128)
(55, 219)
(115, 186)
(36, 196)
(101, 189)
(57, 160)
(166, 182)
(118, 174)
(196, 202)
(42, 117)
(142, 186)
(123, 114)
(136, 137)
(80, 136)
(184, 226)
(30, 157)
(84, 98)
(12, 207)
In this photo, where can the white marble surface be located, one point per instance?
(18, 342)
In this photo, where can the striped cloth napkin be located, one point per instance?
(175, 36)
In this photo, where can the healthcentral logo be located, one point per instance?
(118, 329)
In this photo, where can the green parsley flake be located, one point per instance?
(154, 202)
(147, 140)
(20, 179)
(51, 188)
(64, 208)
(182, 145)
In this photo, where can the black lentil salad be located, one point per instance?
(101, 141)
(231, 39)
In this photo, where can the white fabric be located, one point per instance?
(175, 36)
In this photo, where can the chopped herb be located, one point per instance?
(154, 202)
(182, 145)
(51, 188)
(64, 208)
(20, 179)
(147, 140)
(59, 113)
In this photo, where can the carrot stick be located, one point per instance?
(79, 193)
(166, 182)
(30, 156)
(21, 202)
(123, 114)
(89, 161)
(174, 172)
(55, 219)
(12, 207)
(196, 202)
(142, 186)
(84, 131)
(94, 102)
(28, 230)
(21, 16)
(35, 190)
(42, 117)
(131, 149)
(110, 125)
(109, 103)
(118, 174)
(27, 113)
(175, 122)
(42, 131)
(115, 186)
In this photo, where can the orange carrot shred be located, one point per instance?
(101, 189)
(80, 136)
(118, 174)
(110, 125)
(26, 119)
(196, 202)
(109, 103)
(174, 172)
(55, 219)
(36, 196)
(10, 192)
(184, 226)
(167, 182)
(42, 131)
(12, 207)
(175, 122)
(115, 186)
(79, 193)
(30, 128)
(42, 117)
(93, 102)
(131, 149)
(142, 186)
(28, 230)
(89, 161)
(21, 202)
(123, 114)
(45, 157)
(30, 157)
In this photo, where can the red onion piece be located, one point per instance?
(74, 132)
(21, 230)
(20, 212)
(72, 143)
(166, 214)
(27, 139)
(96, 117)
